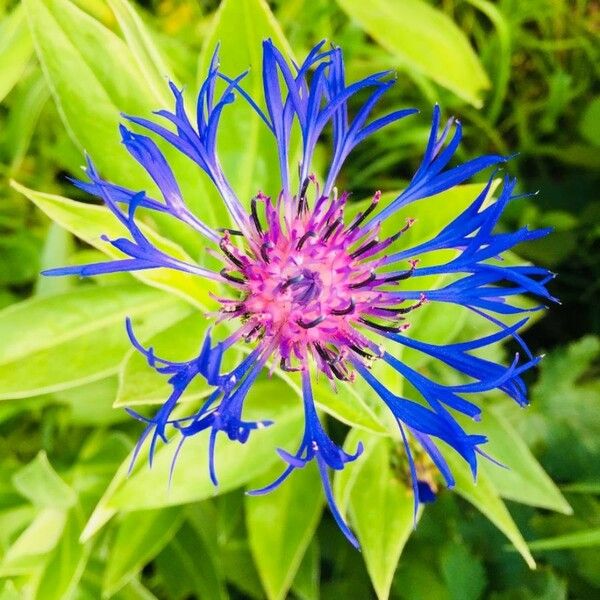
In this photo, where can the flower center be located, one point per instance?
(308, 280)
(302, 294)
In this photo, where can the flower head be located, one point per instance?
(313, 290)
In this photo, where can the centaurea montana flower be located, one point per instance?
(311, 289)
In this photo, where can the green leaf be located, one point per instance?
(19, 258)
(240, 26)
(583, 487)
(345, 480)
(140, 537)
(239, 568)
(134, 590)
(565, 412)
(30, 98)
(9, 591)
(500, 65)
(58, 246)
(14, 520)
(524, 480)
(236, 464)
(580, 539)
(87, 65)
(67, 562)
(565, 390)
(418, 579)
(42, 486)
(485, 498)
(382, 511)
(589, 125)
(89, 222)
(203, 520)
(147, 55)
(463, 572)
(423, 38)
(16, 49)
(91, 404)
(281, 525)
(30, 549)
(346, 405)
(198, 578)
(306, 582)
(64, 340)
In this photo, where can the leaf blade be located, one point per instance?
(382, 514)
(485, 498)
(424, 38)
(63, 340)
(296, 508)
(89, 222)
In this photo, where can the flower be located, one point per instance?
(314, 291)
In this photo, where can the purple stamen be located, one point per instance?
(310, 324)
(344, 311)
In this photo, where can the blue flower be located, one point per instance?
(314, 291)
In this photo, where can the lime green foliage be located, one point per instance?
(281, 525)
(15, 49)
(382, 511)
(73, 524)
(51, 342)
(425, 40)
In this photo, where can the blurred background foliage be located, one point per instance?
(523, 77)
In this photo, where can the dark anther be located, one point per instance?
(332, 228)
(398, 233)
(366, 281)
(303, 239)
(232, 278)
(255, 216)
(405, 311)
(364, 248)
(361, 217)
(302, 205)
(230, 231)
(400, 277)
(249, 335)
(400, 311)
(331, 362)
(389, 241)
(337, 372)
(360, 351)
(283, 364)
(304, 187)
(387, 309)
(310, 324)
(389, 328)
(234, 259)
(264, 252)
(343, 311)
(394, 237)
(323, 353)
(329, 356)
